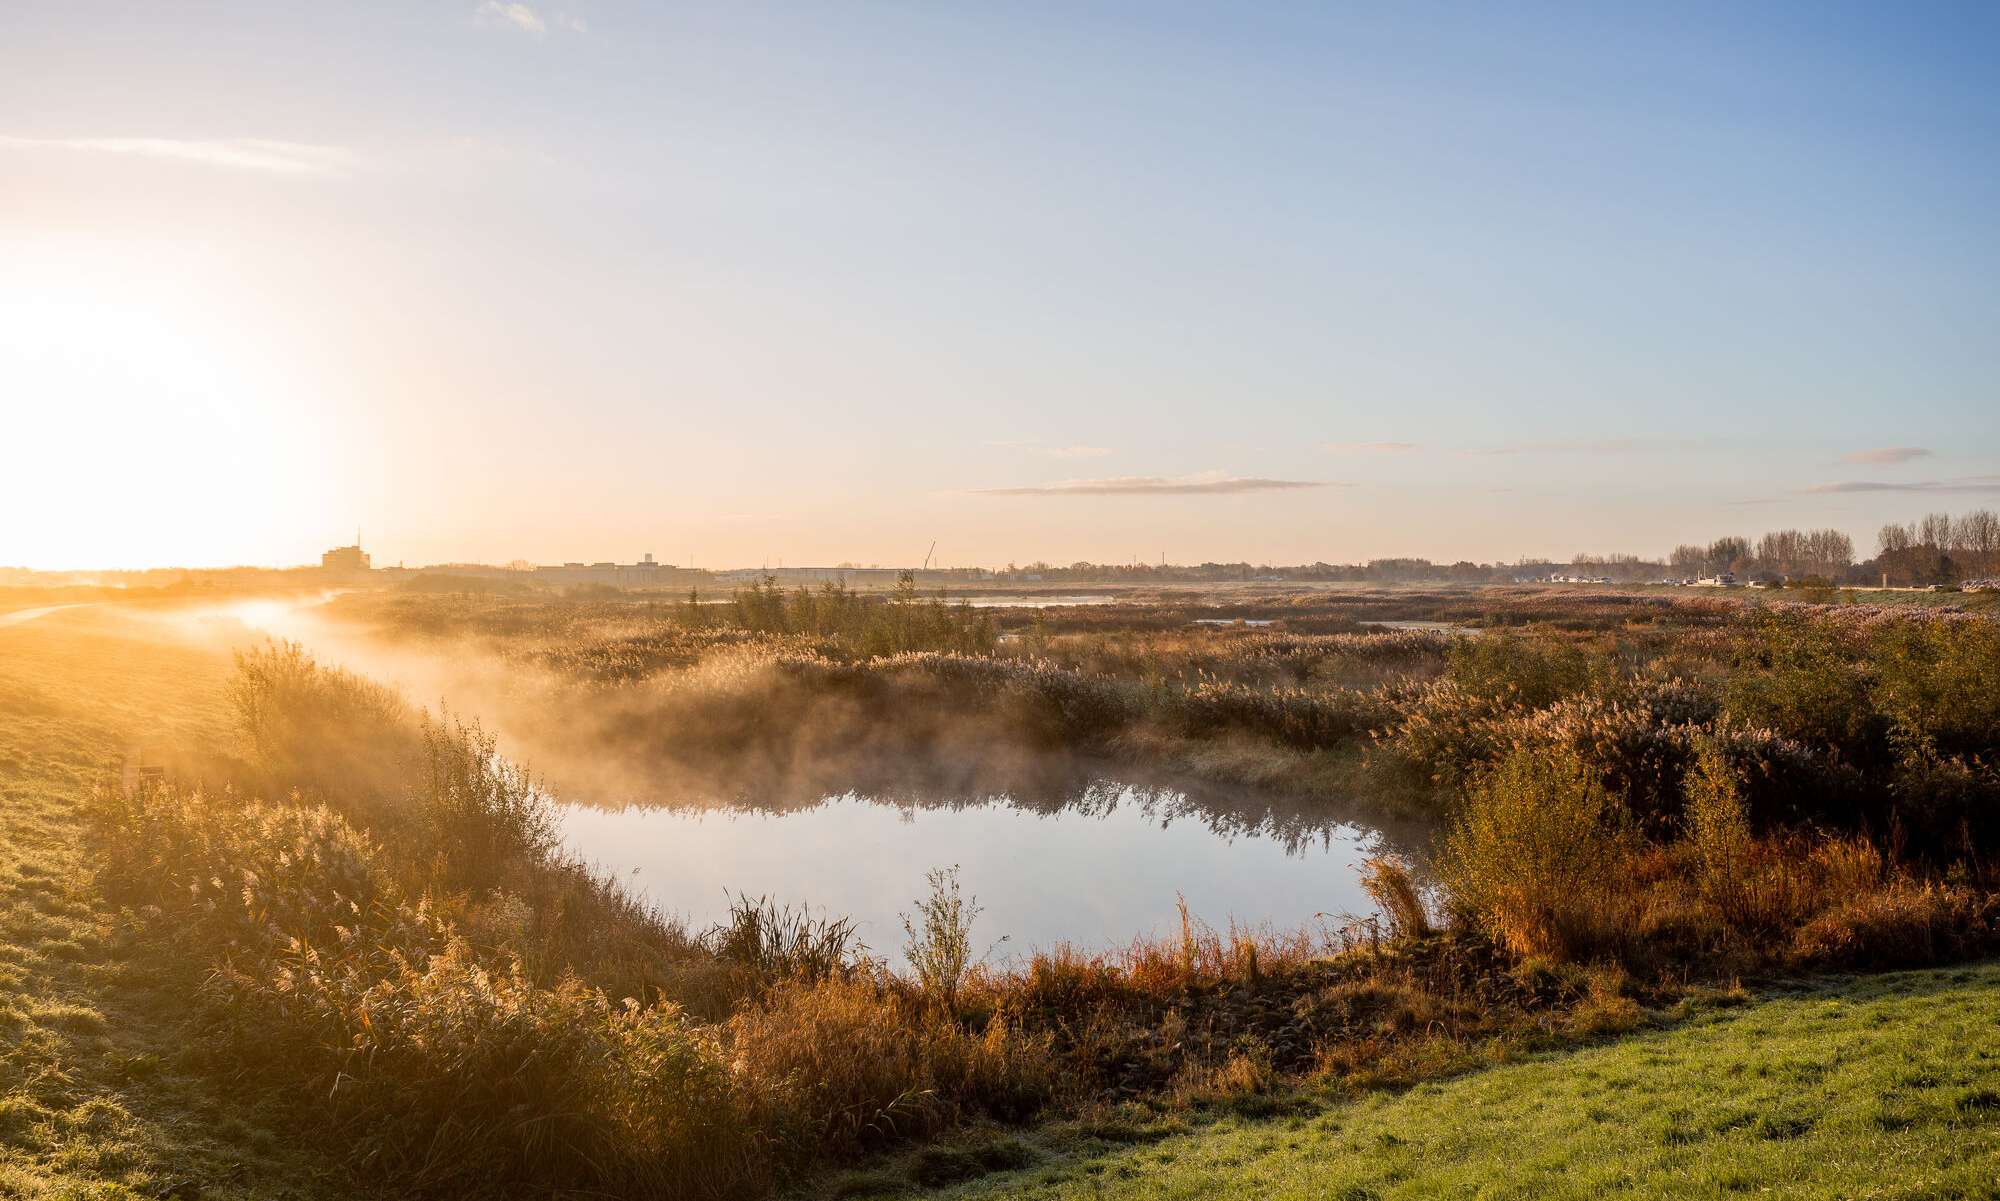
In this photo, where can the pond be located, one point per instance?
(1095, 862)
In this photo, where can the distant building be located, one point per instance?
(646, 573)
(345, 559)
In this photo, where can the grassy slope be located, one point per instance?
(1887, 1086)
(96, 1099)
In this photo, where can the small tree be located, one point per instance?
(1718, 824)
(940, 937)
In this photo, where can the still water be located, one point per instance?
(1094, 863)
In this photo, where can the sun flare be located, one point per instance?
(147, 418)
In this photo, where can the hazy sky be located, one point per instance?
(753, 283)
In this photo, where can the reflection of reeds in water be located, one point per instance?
(1057, 788)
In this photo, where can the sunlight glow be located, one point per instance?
(148, 363)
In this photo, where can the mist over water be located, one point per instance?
(1056, 848)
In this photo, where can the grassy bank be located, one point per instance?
(99, 1094)
(1882, 1086)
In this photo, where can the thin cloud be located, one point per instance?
(242, 154)
(512, 16)
(1371, 448)
(1205, 484)
(1887, 454)
(1970, 483)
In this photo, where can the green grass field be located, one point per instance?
(1886, 1086)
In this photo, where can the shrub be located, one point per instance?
(1538, 856)
(433, 1066)
(481, 816)
(1803, 678)
(940, 938)
(1519, 671)
(442, 1071)
(841, 1065)
(322, 731)
(1936, 683)
(1717, 822)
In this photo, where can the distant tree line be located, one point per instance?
(1940, 549)
(1781, 554)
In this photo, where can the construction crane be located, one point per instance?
(927, 556)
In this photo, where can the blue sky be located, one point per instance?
(823, 282)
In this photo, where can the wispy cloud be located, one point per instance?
(1056, 452)
(1370, 448)
(1887, 454)
(1969, 483)
(243, 154)
(512, 16)
(503, 14)
(1207, 483)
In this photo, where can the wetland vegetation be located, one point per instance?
(1613, 810)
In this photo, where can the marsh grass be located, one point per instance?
(785, 942)
(403, 958)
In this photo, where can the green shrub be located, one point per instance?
(1805, 680)
(1539, 856)
(1520, 671)
(1936, 682)
(1717, 820)
(940, 938)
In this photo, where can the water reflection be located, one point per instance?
(1072, 852)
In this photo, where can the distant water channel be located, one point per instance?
(1095, 861)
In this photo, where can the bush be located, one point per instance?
(236, 874)
(1539, 855)
(842, 1064)
(1718, 823)
(1936, 683)
(322, 731)
(442, 1071)
(1519, 671)
(434, 1066)
(1804, 679)
(940, 938)
(481, 817)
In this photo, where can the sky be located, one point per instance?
(744, 283)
